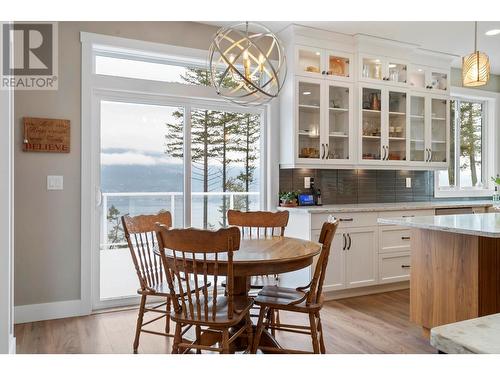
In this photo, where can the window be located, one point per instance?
(468, 173)
(162, 140)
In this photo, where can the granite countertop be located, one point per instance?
(372, 207)
(484, 225)
(479, 335)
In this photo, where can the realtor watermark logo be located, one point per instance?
(29, 56)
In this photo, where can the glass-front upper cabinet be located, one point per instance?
(397, 126)
(439, 130)
(417, 128)
(309, 119)
(339, 122)
(315, 62)
(371, 123)
(375, 68)
(428, 78)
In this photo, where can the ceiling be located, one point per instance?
(453, 37)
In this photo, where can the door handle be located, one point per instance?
(405, 237)
(98, 196)
(327, 154)
(430, 154)
(405, 266)
(350, 241)
(323, 151)
(348, 219)
(383, 155)
(344, 241)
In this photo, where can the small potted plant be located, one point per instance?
(288, 199)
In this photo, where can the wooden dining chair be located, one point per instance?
(140, 232)
(307, 300)
(198, 255)
(260, 224)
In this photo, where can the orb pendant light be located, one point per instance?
(247, 64)
(476, 66)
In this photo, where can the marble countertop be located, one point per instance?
(484, 225)
(479, 335)
(373, 207)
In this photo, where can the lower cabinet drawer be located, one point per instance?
(394, 239)
(346, 219)
(394, 267)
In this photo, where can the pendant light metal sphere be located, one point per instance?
(247, 64)
(475, 69)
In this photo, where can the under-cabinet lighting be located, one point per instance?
(306, 93)
(492, 32)
(392, 65)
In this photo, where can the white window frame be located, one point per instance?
(98, 87)
(490, 154)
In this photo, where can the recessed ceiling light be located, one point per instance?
(492, 32)
(306, 93)
(420, 70)
(392, 65)
(318, 53)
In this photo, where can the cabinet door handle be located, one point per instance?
(344, 242)
(348, 219)
(430, 154)
(327, 154)
(408, 216)
(350, 241)
(405, 237)
(405, 266)
(323, 151)
(323, 72)
(383, 155)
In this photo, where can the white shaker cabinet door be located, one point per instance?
(361, 257)
(335, 270)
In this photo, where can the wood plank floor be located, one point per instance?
(369, 324)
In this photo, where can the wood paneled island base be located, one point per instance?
(454, 277)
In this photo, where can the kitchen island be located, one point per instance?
(455, 267)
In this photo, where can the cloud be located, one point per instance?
(131, 158)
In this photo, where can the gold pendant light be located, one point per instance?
(476, 66)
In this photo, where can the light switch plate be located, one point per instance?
(307, 182)
(55, 182)
(408, 182)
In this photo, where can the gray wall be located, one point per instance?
(492, 85)
(47, 223)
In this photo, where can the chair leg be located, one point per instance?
(321, 338)
(167, 318)
(198, 337)
(249, 333)
(258, 331)
(314, 333)
(225, 341)
(272, 319)
(140, 318)
(177, 338)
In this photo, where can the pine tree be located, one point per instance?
(116, 234)
(470, 137)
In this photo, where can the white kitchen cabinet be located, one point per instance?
(383, 125)
(426, 78)
(323, 123)
(361, 261)
(394, 267)
(429, 129)
(336, 269)
(382, 69)
(323, 63)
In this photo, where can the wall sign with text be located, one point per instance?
(46, 135)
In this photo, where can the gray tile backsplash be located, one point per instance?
(344, 186)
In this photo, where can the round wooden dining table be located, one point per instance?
(266, 256)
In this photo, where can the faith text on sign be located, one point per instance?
(46, 135)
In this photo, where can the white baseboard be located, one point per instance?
(48, 311)
(357, 292)
(12, 344)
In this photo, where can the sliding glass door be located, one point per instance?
(138, 176)
(153, 155)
